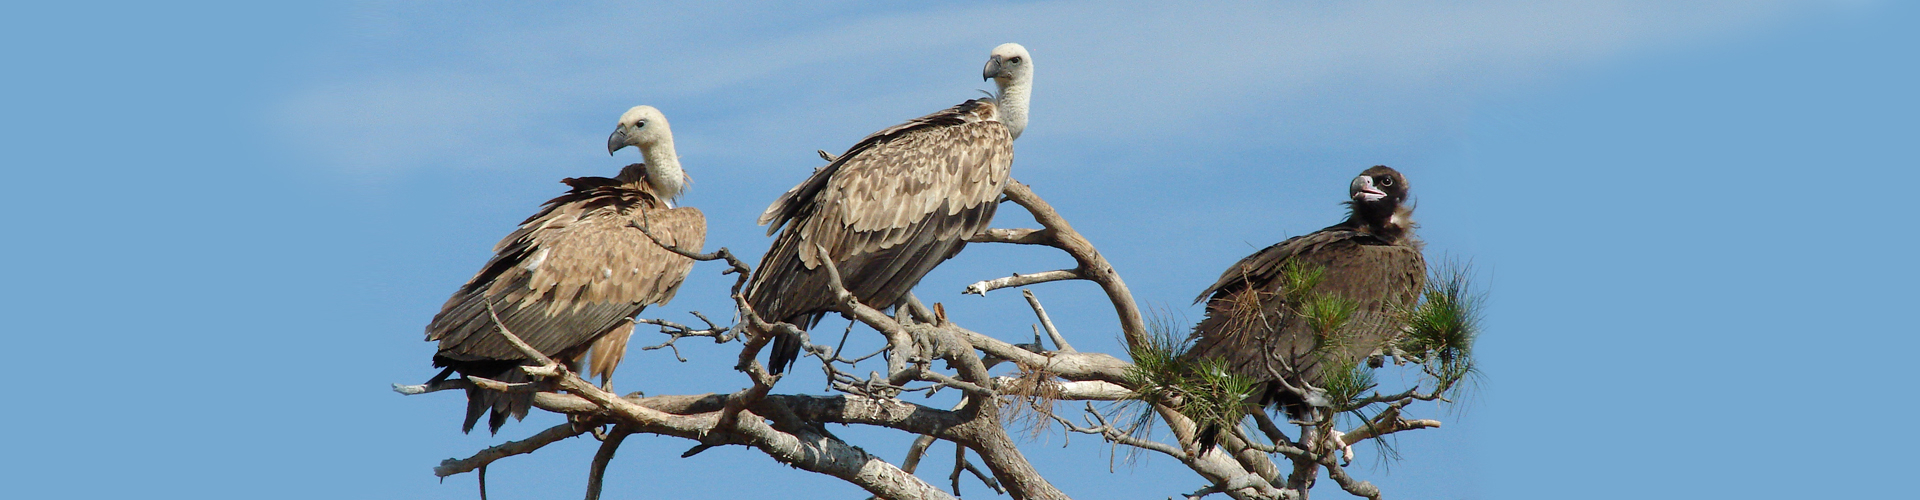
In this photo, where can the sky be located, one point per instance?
(231, 222)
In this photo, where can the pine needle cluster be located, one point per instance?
(1440, 331)
(1327, 316)
(1204, 390)
(1346, 383)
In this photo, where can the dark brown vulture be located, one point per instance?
(573, 276)
(1372, 259)
(892, 207)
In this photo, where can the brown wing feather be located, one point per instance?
(887, 212)
(570, 273)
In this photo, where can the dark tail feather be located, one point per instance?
(476, 406)
(480, 401)
(1208, 437)
(786, 350)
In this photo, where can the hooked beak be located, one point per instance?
(1364, 192)
(992, 69)
(618, 140)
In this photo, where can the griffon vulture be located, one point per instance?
(573, 276)
(889, 209)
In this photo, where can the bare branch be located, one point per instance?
(1070, 366)
(1092, 266)
(1098, 426)
(920, 311)
(452, 466)
(676, 331)
(1084, 390)
(1354, 486)
(1203, 492)
(1059, 341)
(1014, 236)
(1387, 422)
(436, 386)
(1018, 280)
(597, 473)
(915, 452)
(960, 463)
(498, 386)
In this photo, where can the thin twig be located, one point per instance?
(1021, 236)
(448, 384)
(514, 340)
(453, 466)
(1059, 342)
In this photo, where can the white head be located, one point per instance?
(645, 128)
(1011, 69)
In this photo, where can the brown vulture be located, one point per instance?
(570, 280)
(1256, 325)
(892, 207)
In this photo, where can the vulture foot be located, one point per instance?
(1335, 438)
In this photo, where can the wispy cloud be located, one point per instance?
(418, 85)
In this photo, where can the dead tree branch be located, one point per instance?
(1059, 341)
(532, 443)
(1019, 280)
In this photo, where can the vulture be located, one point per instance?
(571, 278)
(1253, 323)
(890, 208)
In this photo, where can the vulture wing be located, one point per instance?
(1252, 324)
(570, 274)
(887, 211)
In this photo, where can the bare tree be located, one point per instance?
(787, 427)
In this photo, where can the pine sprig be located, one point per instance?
(1441, 330)
(1205, 390)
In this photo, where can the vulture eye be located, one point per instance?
(1386, 181)
(640, 124)
(1014, 60)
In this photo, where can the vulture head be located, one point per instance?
(1007, 65)
(641, 127)
(645, 128)
(1378, 198)
(1011, 69)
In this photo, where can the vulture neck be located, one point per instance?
(1011, 104)
(1392, 224)
(663, 170)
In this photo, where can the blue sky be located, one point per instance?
(231, 221)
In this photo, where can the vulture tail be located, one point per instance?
(501, 404)
(786, 350)
(1207, 437)
(1291, 406)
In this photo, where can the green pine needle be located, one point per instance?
(1298, 279)
(1441, 330)
(1326, 315)
(1204, 390)
(1346, 383)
